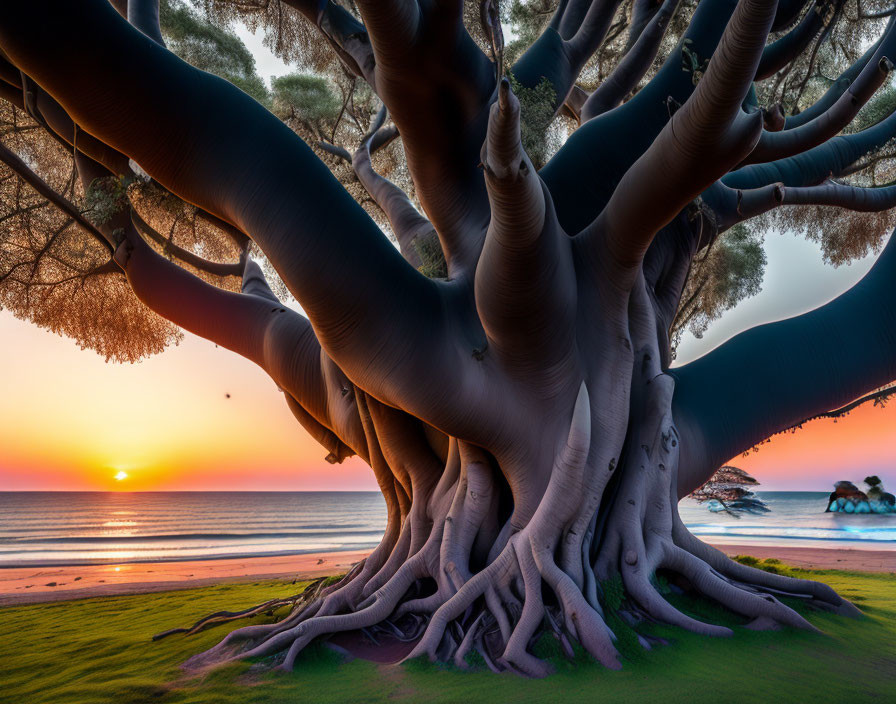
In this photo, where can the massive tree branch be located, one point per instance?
(787, 14)
(815, 165)
(51, 116)
(344, 33)
(185, 255)
(839, 86)
(761, 200)
(878, 398)
(559, 54)
(584, 173)
(437, 85)
(144, 15)
(631, 69)
(235, 321)
(784, 143)
(275, 188)
(711, 122)
(783, 51)
(413, 231)
(254, 325)
(525, 290)
(773, 376)
(48, 113)
(643, 12)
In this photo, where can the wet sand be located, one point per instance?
(31, 585)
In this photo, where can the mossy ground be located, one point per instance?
(95, 651)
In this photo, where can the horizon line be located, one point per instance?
(189, 491)
(272, 491)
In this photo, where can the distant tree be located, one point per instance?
(847, 498)
(727, 491)
(881, 501)
(506, 369)
(210, 47)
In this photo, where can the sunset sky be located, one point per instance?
(70, 421)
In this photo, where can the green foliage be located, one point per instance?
(526, 19)
(475, 660)
(536, 115)
(769, 564)
(306, 96)
(747, 560)
(741, 249)
(844, 235)
(692, 63)
(55, 274)
(420, 665)
(660, 583)
(210, 47)
(430, 252)
(547, 647)
(727, 489)
(613, 592)
(105, 198)
(332, 580)
(729, 271)
(881, 105)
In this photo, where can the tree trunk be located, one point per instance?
(455, 573)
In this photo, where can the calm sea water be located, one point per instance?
(48, 528)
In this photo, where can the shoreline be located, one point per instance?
(21, 586)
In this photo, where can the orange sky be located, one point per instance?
(70, 421)
(826, 451)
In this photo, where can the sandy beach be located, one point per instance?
(819, 558)
(31, 585)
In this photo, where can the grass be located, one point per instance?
(98, 651)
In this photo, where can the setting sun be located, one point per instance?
(121, 476)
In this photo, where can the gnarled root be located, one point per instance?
(499, 611)
(472, 586)
(310, 593)
(645, 534)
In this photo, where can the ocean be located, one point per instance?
(77, 528)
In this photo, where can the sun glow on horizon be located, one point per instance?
(121, 476)
(164, 422)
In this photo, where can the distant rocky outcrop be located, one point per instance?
(847, 498)
(727, 491)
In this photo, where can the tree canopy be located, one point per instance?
(327, 105)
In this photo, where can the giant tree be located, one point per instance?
(505, 369)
